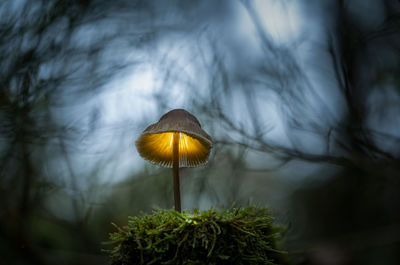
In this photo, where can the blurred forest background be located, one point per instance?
(301, 97)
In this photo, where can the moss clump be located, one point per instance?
(234, 236)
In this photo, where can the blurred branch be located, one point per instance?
(350, 134)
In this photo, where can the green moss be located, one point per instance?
(234, 236)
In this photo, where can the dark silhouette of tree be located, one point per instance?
(54, 55)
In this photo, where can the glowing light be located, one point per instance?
(158, 149)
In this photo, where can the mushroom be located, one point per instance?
(176, 140)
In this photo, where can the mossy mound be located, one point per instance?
(234, 236)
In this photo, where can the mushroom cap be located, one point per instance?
(155, 143)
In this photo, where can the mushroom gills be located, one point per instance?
(158, 148)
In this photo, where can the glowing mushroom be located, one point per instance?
(176, 140)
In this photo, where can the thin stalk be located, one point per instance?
(175, 169)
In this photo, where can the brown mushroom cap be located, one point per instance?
(155, 143)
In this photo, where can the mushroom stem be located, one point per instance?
(175, 169)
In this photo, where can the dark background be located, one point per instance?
(302, 99)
